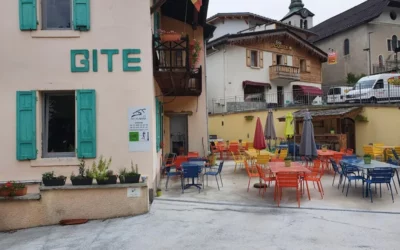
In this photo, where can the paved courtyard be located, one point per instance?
(232, 219)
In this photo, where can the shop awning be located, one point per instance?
(257, 84)
(308, 90)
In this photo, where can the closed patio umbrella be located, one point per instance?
(307, 145)
(259, 139)
(269, 132)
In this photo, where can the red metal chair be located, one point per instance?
(349, 151)
(251, 173)
(193, 155)
(264, 177)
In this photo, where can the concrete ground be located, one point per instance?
(232, 219)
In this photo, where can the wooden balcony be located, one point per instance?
(284, 73)
(172, 69)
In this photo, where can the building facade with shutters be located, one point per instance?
(76, 73)
(268, 65)
(364, 38)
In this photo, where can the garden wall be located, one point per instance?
(73, 202)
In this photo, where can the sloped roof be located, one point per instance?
(263, 19)
(360, 14)
(242, 38)
(322, 114)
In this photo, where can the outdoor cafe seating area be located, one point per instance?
(275, 171)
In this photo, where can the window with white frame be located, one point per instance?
(59, 124)
(254, 58)
(56, 14)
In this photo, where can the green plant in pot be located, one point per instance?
(159, 192)
(101, 172)
(12, 188)
(367, 158)
(332, 131)
(50, 179)
(288, 161)
(85, 176)
(324, 148)
(132, 176)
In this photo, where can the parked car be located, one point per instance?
(376, 89)
(337, 94)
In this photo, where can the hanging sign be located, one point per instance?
(139, 129)
(332, 58)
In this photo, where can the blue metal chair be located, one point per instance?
(216, 173)
(380, 176)
(396, 163)
(191, 171)
(337, 171)
(349, 174)
(349, 157)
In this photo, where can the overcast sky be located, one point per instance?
(277, 9)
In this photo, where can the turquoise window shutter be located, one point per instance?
(86, 123)
(156, 20)
(81, 14)
(27, 15)
(26, 125)
(158, 125)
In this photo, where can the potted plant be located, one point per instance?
(195, 48)
(101, 172)
(169, 36)
(332, 131)
(159, 192)
(324, 148)
(12, 188)
(367, 158)
(212, 158)
(52, 180)
(84, 178)
(288, 161)
(249, 117)
(132, 176)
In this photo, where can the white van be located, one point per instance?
(377, 88)
(337, 94)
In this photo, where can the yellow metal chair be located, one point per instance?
(263, 160)
(238, 159)
(377, 151)
(283, 154)
(250, 145)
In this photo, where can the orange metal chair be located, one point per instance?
(277, 160)
(193, 155)
(179, 160)
(251, 173)
(342, 150)
(337, 157)
(287, 180)
(265, 178)
(349, 151)
(315, 176)
(239, 159)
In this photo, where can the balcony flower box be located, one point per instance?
(169, 36)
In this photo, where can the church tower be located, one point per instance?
(298, 15)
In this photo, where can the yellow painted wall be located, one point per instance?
(236, 127)
(382, 126)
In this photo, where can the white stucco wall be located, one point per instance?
(43, 64)
(216, 74)
(229, 27)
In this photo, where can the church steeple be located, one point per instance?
(296, 5)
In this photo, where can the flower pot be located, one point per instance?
(111, 180)
(324, 148)
(332, 132)
(82, 181)
(129, 179)
(367, 160)
(288, 163)
(20, 192)
(171, 37)
(159, 193)
(53, 182)
(4, 193)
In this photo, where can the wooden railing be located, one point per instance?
(284, 72)
(171, 56)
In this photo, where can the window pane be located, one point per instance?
(394, 42)
(337, 91)
(56, 14)
(254, 58)
(389, 44)
(60, 123)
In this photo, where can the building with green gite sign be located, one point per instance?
(81, 79)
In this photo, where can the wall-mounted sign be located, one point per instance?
(280, 45)
(134, 192)
(139, 129)
(332, 58)
(129, 62)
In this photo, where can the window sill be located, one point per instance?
(55, 162)
(55, 34)
(255, 67)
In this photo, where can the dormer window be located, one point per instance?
(301, 23)
(305, 24)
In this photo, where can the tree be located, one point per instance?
(352, 79)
